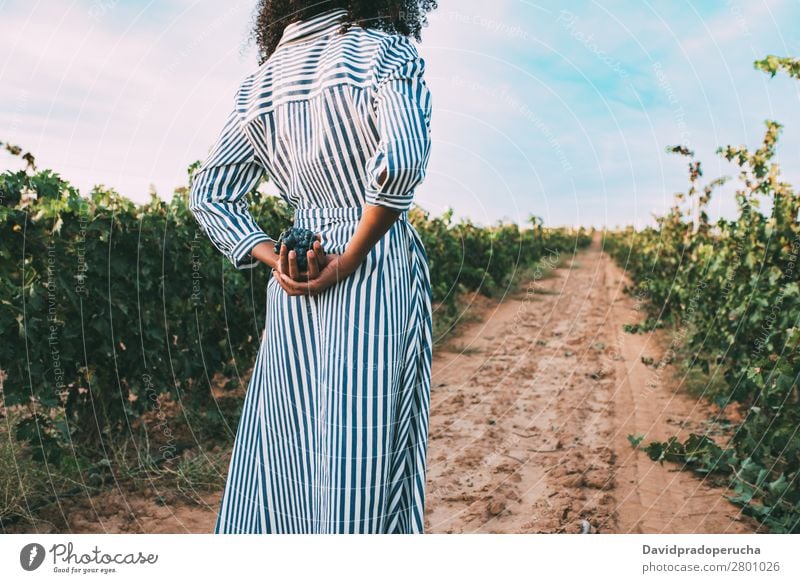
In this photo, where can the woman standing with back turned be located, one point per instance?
(333, 434)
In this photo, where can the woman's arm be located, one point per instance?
(218, 197)
(402, 106)
(375, 222)
(374, 225)
(265, 253)
(325, 270)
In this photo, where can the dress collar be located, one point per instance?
(313, 26)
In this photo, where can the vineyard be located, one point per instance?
(126, 341)
(729, 292)
(125, 335)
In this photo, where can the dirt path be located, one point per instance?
(531, 412)
(531, 408)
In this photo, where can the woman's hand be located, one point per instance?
(326, 270)
(287, 261)
(336, 268)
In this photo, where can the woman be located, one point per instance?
(333, 434)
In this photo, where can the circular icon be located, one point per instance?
(31, 556)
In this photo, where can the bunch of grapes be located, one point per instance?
(299, 239)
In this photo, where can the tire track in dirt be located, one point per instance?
(519, 441)
(530, 412)
(652, 402)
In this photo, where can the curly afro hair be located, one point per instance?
(405, 17)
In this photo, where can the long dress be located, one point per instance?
(333, 433)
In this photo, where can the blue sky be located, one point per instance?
(558, 109)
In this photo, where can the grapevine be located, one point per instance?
(107, 303)
(730, 293)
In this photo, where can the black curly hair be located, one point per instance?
(406, 17)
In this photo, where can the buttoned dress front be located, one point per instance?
(334, 427)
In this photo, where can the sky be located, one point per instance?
(557, 109)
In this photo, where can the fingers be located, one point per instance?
(319, 252)
(294, 270)
(276, 274)
(284, 258)
(313, 268)
(294, 287)
(287, 284)
(300, 288)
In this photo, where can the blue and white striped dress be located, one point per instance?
(333, 435)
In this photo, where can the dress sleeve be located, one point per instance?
(218, 198)
(402, 105)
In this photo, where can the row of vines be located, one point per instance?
(730, 291)
(108, 304)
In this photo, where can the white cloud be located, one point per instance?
(124, 104)
(531, 114)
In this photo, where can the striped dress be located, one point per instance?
(333, 433)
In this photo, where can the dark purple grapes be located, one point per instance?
(299, 239)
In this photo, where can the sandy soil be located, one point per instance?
(531, 408)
